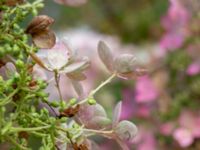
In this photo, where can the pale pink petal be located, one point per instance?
(183, 136)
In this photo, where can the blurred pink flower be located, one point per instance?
(145, 90)
(145, 140)
(183, 136)
(189, 129)
(171, 41)
(131, 108)
(193, 69)
(167, 128)
(174, 23)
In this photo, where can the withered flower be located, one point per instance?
(42, 36)
(80, 147)
(124, 65)
(23, 134)
(70, 112)
(13, 2)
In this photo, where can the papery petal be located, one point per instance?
(44, 39)
(58, 59)
(76, 66)
(105, 55)
(125, 63)
(117, 113)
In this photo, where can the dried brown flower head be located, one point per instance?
(42, 36)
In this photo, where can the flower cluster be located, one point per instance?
(27, 69)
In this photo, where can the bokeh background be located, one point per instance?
(165, 37)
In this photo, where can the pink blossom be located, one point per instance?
(183, 136)
(188, 130)
(171, 41)
(191, 121)
(174, 23)
(145, 90)
(193, 69)
(131, 108)
(167, 128)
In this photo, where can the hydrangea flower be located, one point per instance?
(63, 60)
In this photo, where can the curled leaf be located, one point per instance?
(125, 63)
(39, 24)
(105, 55)
(126, 130)
(117, 113)
(44, 39)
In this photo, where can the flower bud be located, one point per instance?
(91, 101)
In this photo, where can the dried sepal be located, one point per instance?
(125, 63)
(126, 130)
(76, 66)
(70, 112)
(42, 36)
(117, 113)
(77, 87)
(80, 147)
(105, 55)
(39, 24)
(99, 122)
(44, 39)
(77, 76)
(99, 111)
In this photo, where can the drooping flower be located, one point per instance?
(124, 65)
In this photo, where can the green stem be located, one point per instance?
(98, 131)
(56, 75)
(9, 98)
(29, 129)
(93, 92)
(17, 144)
